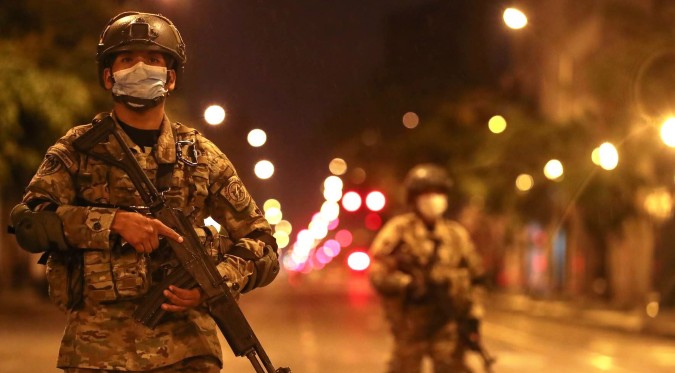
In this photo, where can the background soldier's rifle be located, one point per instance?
(465, 330)
(196, 267)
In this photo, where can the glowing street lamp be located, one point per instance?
(553, 169)
(264, 169)
(497, 124)
(524, 182)
(514, 18)
(375, 201)
(608, 156)
(214, 115)
(668, 132)
(256, 138)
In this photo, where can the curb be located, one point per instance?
(630, 321)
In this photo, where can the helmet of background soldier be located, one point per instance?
(425, 178)
(129, 31)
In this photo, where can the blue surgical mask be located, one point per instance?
(140, 81)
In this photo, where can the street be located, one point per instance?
(331, 322)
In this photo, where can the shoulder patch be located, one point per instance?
(62, 154)
(236, 193)
(50, 164)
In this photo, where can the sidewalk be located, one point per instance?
(597, 315)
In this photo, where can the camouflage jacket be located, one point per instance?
(406, 254)
(101, 334)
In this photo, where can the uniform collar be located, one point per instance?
(166, 143)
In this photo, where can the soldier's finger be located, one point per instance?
(139, 248)
(176, 300)
(167, 232)
(147, 247)
(154, 241)
(186, 294)
(173, 307)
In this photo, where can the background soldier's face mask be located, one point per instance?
(432, 205)
(140, 86)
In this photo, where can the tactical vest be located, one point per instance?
(122, 273)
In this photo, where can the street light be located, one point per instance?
(608, 156)
(256, 138)
(553, 170)
(214, 115)
(668, 132)
(264, 169)
(497, 124)
(514, 18)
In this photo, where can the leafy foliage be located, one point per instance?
(45, 90)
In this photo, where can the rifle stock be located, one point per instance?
(196, 266)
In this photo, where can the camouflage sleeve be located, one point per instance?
(384, 272)
(230, 204)
(476, 271)
(83, 227)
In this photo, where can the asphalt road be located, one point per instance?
(331, 322)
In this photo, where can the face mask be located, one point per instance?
(432, 205)
(140, 82)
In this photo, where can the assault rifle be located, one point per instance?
(196, 266)
(475, 345)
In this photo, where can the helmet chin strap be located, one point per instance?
(138, 104)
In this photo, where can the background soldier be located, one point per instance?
(102, 256)
(425, 268)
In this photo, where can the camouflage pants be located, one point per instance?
(415, 337)
(198, 364)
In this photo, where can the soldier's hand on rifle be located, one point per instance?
(473, 333)
(141, 232)
(182, 299)
(417, 289)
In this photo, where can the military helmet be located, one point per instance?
(130, 31)
(424, 178)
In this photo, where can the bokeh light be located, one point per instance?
(357, 175)
(282, 239)
(668, 132)
(514, 18)
(271, 203)
(358, 261)
(411, 120)
(214, 115)
(608, 156)
(256, 138)
(283, 226)
(332, 182)
(553, 169)
(351, 201)
(264, 169)
(373, 221)
(375, 201)
(497, 124)
(344, 237)
(337, 166)
(524, 182)
(273, 215)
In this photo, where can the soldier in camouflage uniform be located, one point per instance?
(425, 270)
(102, 256)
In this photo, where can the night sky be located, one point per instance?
(282, 66)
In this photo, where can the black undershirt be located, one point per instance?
(140, 137)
